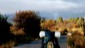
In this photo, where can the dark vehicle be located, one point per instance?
(49, 39)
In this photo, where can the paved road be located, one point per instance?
(37, 43)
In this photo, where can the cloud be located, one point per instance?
(47, 8)
(39, 5)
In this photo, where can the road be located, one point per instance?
(37, 43)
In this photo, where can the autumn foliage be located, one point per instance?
(76, 40)
(48, 24)
(27, 25)
(64, 26)
(26, 22)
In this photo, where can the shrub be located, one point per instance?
(76, 40)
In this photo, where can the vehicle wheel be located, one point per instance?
(50, 45)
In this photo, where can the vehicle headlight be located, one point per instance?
(57, 34)
(42, 34)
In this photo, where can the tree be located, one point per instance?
(72, 19)
(81, 22)
(48, 25)
(29, 21)
(60, 19)
(77, 18)
(5, 34)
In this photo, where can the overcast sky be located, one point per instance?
(49, 7)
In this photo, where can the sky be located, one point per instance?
(47, 8)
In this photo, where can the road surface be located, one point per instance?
(37, 43)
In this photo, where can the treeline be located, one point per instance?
(64, 26)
